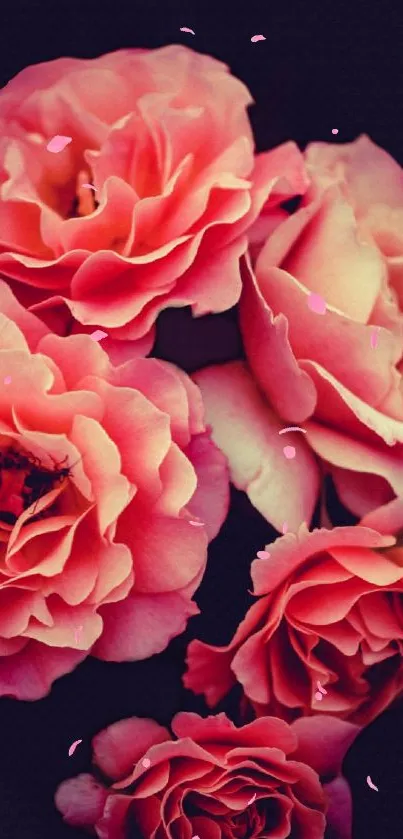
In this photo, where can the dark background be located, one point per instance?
(323, 65)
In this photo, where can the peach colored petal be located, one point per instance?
(339, 815)
(236, 412)
(369, 377)
(121, 745)
(354, 416)
(156, 542)
(371, 175)
(290, 551)
(142, 625)
(170, 390)
(12, 311)
(288, 388)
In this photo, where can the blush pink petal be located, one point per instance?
(210, 501)
(81, 800)
(323, 742)
(339, 815)
(142, 625)
(29, 674)
(121, 745)
(246, 431)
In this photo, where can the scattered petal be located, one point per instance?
(317, 304)
(263, 554)
(146, 763)
(257, 38)
(292, 428)
(289, 452)
(89, 186)
(58, 143)
(318, 695)
(320, 688)
(370, 784)
(74, 746)
(186, 29)
(197, 523)
(335, 130)
(98, 335)
(285, 527)
(252, 799)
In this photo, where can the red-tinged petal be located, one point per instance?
(81, 800)
(121, 745)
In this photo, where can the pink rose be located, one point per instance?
(101, 469)
(345, 243)
(164, 137)
(214, 780)
(329, 612)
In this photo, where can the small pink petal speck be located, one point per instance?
(186, 29)
(289, 452)
(196, 523)
(252, 799)
(317, 304)
(89, 186)
(285, 527)
(7, 380)
(58, 143)
(263, 554)
(146, 763)
(318, 695)
(257, 38)
(98, 335)
(74, 746)
(371, 783)
(335, 130)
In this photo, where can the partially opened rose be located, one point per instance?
(102, 469)
(147, 207)
(214, 780)
(338, 374)
(330, 611)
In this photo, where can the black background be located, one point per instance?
(323, 65)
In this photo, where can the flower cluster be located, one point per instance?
(115, 465)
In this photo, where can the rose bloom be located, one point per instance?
(214, 780)
(344, 243)
(101, 469)
(330, 610)
(164, 138)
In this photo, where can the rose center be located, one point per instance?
(23, 481)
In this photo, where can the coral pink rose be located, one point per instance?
(214, 781)
(330, 609)
(101, 468)
(164, 137)
(345, 243)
